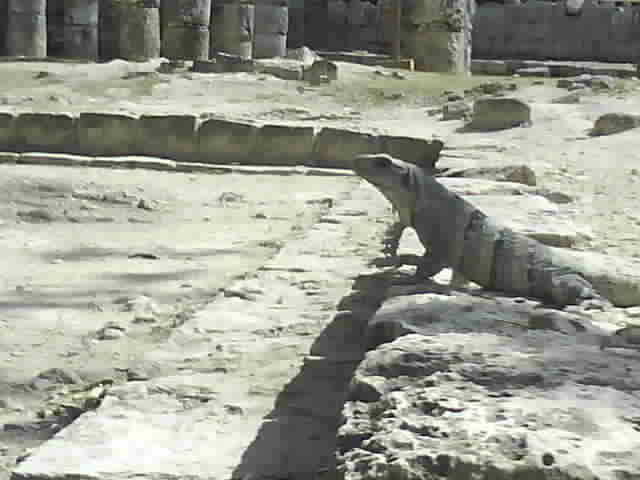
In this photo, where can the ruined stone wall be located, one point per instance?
(544, 30)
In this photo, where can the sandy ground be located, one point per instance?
(595, 170)
(79, 245)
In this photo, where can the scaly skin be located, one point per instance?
(458, 235)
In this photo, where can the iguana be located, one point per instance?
(458, 235)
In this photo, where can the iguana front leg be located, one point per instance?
(392, 237)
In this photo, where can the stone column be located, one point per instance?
(81, 29)
(316, 22)
(4, 13)
(27, 28)
(234, 27)
(272, 25)
(129, 29)
(185, 29)
(295, 34)
(438, 36)
(55, 28)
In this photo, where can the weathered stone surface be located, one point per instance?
(302, 54)
(225, 141)
(9, 157)
(512, 173)
(573, 7)
(169, 136)
(532, 215)
(499, 113)
(336, 148)
(280, 67)
(586, 80)
(179, 413)
(6, 130)
(488, 388)
(107, 134)
(571, 98)
(283, 145)
(321, 71)
(603, 82)
(53, 159)
(610, 123)
(565, 82)
(473, 187)
(494, 88)
(456, 110)
(48, 132)
(227, 62)
(490, 67)
(133, 161)
(432, 312)
(534, 72)
(268, 407)
(415, 150)
(204, 66)
(617, 278)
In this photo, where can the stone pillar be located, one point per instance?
(316, 23)
(55, 28)
(355, 24)
(81, 29)
(438, 36)
(129, 29)
(27, 28)
(234, 27)
(337, 26)
(4, 12)
(295, 34)
(272, 25)
(185, 29)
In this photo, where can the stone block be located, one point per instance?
(457, 110)
(225, 141)
(57, 159)
(48, 132)
(107, 134)
(9, 158)
(490, 67)
(336, 148)
(283, 145)
(321, 70)
(169, 136)
(499, 113)
(233, 63)
(6, 130)
(133, 161)
(610, 123)
(207, 66)
(571, 98)
(508, 173)
(419, 151)
(281, 68)
(534, 72)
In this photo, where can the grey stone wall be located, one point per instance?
(545, 30)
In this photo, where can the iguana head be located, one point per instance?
(396, 180)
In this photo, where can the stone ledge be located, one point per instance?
(153, 163)
(187, 138)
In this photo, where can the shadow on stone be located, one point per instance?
(297, 439)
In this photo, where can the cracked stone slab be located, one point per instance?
(463, 386)
(265, 406)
